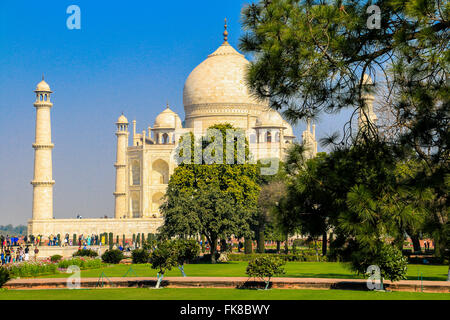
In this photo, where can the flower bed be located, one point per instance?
(44, 267)
(32, 268)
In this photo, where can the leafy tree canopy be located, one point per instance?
(215, 200)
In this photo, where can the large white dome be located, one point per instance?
(219, 79)
(216, 91)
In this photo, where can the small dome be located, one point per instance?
(167, 120)
(288, 132)
(122, 119)
(43, 86)
(270, 118)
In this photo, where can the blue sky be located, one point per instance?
(128, 56)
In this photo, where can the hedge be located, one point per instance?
(301, 257)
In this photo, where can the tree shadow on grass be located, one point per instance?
(428, 278)
(322, 275)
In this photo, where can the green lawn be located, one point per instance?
(237, 269)
(213, 294)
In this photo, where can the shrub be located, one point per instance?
(140, 256)
(392, 264)
(113, 256)
(55, 258)
(265, 267)
(85, 253)
(389, 259)
(163, 259)
(4, 276)
(83, 263)
(206, 258)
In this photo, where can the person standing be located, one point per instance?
(36, 251)
(7, 255)
(27, 253)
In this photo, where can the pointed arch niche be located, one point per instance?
(160, 172)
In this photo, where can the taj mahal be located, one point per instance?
(215, 92)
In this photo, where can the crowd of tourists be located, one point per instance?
(80, 240)
(11, 254)
(17, 249)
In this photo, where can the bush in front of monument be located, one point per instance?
(56, 258)
(85, 253)
(385, 256)
(140, 256)
(264, 268)
(113, 256)
(4, 276)
(186, 251)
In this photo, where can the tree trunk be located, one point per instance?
(181, 267)
(416, 243)
(437, 247)
(398, 242)
(278, 246)
(317, 250)
(324, 244)
(260, 241)
(223, 245)
(286, 245)
(159, 277)
(248, 246)
(213, 249)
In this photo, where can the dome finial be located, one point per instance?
(42, 76)
(225, 33)
(167, 104)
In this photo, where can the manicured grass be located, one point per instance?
(213, 294)
(237, 269)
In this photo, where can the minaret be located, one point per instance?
(367, 115)
(43, 178)
(121, 167)
(309, 140)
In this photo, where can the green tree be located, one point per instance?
(163, 259)
(216, 200)
(357, 192)
(310, 204)
(312, 57)
(272, 190)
